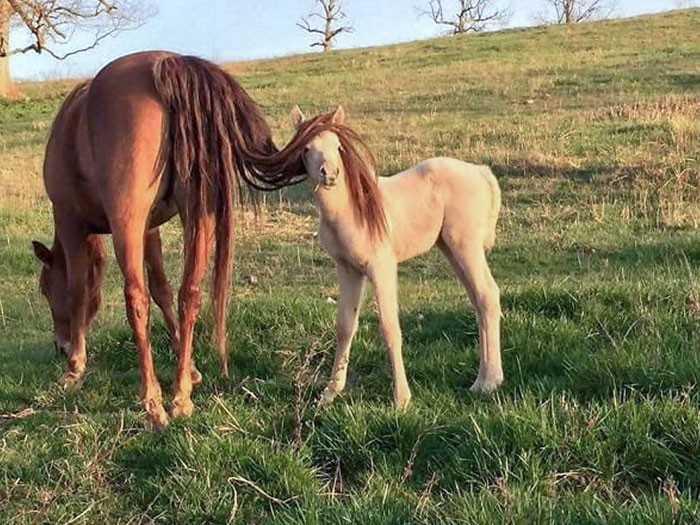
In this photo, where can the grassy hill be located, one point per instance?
(594, 134)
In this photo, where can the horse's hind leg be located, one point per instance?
(469, 261)
(189, 303)
(129, 247)
(162, 292)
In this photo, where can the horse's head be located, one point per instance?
(53, 283)
(323, 153)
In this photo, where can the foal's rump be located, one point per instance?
(470, 194)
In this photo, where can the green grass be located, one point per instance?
(594, 134)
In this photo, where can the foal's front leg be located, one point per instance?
(384, 279)
(352, 285)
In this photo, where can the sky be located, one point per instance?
(229, 30)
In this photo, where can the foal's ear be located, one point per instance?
(42, 253)
(297, 116)
(339, 116)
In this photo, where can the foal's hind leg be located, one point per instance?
(352, 285)
(190, 302)
(162, 292)
(469, 261)
(129, 237)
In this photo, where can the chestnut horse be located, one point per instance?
(152, 135)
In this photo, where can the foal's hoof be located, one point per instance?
(327, 397)
(157, 417)
(402, 402)
(181, 408)
(71, 381)
(486, 385)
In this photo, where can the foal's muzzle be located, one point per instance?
(328, 179)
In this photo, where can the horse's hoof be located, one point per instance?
(327, 397)
(486, 385)
(71, 381)
(181, 408)
(195, 376)
(157, 417)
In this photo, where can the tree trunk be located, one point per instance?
(5, 79)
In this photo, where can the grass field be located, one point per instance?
(594, 133)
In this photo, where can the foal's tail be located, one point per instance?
(495, 207)
(211, 122)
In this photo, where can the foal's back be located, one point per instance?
(440, 196)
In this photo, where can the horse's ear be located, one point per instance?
(42, 253)
(297, 116)
(339, 116)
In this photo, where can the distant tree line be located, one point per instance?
(49, 26)
(328, 19)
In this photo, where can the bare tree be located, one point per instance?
(329, 13)
(575, 11)
(50, 25)
(467, 15)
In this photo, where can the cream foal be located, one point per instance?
(440, 201)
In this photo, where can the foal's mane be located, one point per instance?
(359, 164)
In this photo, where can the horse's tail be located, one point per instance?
(211, 121)
(495, 190)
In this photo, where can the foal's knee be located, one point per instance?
(345, 329)
(489, 301)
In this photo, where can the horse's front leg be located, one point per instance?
(162, 292)
(77, 266)
(352, 284)
(384, 279)
(197, 246)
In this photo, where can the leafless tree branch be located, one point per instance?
(575, 11)
(51, 24)
(330, 13)
(467, 16)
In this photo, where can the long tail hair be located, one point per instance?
(214, 137)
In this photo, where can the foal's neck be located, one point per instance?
(334, 203)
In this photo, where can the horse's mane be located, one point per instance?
(358, 161)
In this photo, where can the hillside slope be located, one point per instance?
(594, 133)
